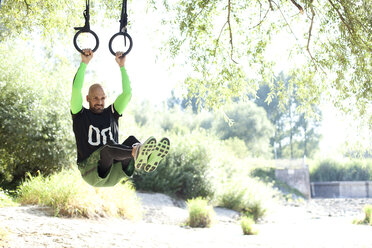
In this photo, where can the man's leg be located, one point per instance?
(130, 141)
(116, 152)
(141, 151)
(111, 153)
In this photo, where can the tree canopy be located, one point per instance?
(295, 135)
(227, 43)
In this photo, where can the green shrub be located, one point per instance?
(5, 200)
(233, 198)
(331, 170)
(327, 170)
(184, 172)
(246, 195)
(200, 213)
(367, 216)
(255, 210)
(68, 195)
(247, 225)
(357, 170)
(35, 123)
(267, 175)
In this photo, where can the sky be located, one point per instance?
(153, 80)
(150, 78)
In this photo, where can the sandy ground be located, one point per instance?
(315, 223)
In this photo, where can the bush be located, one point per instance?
(35, 122)
(267, 175)
(367, 216)
(246, 195)
(184, 172)
(68, 195)
(200, 213)
(5, 200)
(239, 200)
(255, 210)
(233, 198)
(247, 225)
(330, 170)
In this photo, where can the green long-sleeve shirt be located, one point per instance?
(121, 101)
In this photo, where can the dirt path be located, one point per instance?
(318, 223)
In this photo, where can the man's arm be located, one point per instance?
(123, 99)
(76, 103)
(76, 96)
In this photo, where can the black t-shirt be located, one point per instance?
(94, 130)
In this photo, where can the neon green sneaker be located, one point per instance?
(143, 151)
(161, 150)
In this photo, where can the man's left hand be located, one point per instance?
(120, 60)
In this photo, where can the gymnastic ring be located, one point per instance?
(125, 35)
(91, 32)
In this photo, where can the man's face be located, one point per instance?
(96, 99)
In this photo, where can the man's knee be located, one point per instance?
(131, 140)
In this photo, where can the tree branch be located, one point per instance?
(271, 5)
(309, 37)
(289, 26)
(27, 6)
(349, 28)
(315, 62)
(298, 6)
(197, 15)
(348, 13)
(341, 17)
(355, 20)
(218, 39)
(230, 31)
(261, 21)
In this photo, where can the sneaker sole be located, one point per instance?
(147, 148)
(161, 150)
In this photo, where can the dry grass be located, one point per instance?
(248, 226)
(68, 194)
(6, 200)
(367, 216)
(200, 213)
(4, 237)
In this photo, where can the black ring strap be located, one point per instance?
(123, 30)
(85, 29)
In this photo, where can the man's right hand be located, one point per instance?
(86, 56)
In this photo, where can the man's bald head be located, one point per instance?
(96, 98)
(95, 87)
